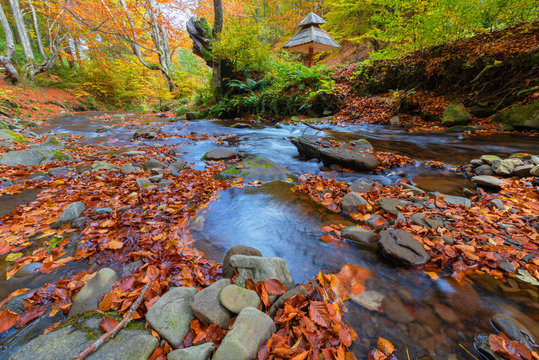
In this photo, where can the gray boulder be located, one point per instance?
(207, 307)
(135, 153)
(128, 168)
(54, 142)
(228, 270)
(250, 331)
(198, 352)
(220, 153)
(523, 170)
(484, 170)
(456, 114)
(361, 186)
(22, 157)
(256, 169)
(152, 163)
(143, 183)
(351, 201)
(360, 235)
(235, 298)
(69, 341)
(514, 329)
(390, 205)
(103, 165)
(71, 213)
(488, 181)
(357, 155)
(148, 132)
(171, 315)
(261, 269)
(535, 171)
(401, 246)
(454, 200)
(89, 296)
(503, 167)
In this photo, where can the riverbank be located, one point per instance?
(153, 212)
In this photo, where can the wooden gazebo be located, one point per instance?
(311, 38)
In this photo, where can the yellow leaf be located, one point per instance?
(13, 256)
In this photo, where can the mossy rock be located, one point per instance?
(522, 116)
(456, 114)
(79, 332)
(256, 169)
(12, 136)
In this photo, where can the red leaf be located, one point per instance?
(108, 324)
(8, 318)
(29, 316)
(318, 313)
(274, 287)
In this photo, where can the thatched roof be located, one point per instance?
(312, 19)
(311, 37)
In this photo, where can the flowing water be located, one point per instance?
(423, 315)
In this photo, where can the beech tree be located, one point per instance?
(5, 60)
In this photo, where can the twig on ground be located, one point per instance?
(109, 335)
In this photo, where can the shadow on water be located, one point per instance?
(420, 314)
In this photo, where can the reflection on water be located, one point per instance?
(421, 315)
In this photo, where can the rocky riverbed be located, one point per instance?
(98, 205)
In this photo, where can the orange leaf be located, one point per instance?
(115, 244)
(385, 346)
(8, 318)
(108, 323)
(274, 287)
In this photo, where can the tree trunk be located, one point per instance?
(21, 30)
(36, 29)
(10, 48)
(217, 29)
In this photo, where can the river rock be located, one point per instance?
(261, 269)
(351, 201)
(535, 171)
(395, 309)
(476, 162)
(522, 116)
(152, 163)
(89, 296)
(298, 290)
(128, 168)
(103, 165)
(454, 200)
(401, 246)
(69, 341)
(134, 153)
(177, 166)
(483, 170)
(375, 221)
(371, 300)
(22, 157)
(53, 142)
(456, 114)
(488, 159)
(482, 345)
(228, 270)
(198, 352)
(256, 169)
(360, 235)
(497, 203)
(148, 132)
(513, 329)
(250, 331)
(235, 298)
(207, 307)
(390, 205)
(171, 315)
(220, 153)
(143, 183)
(361, 186)
(488, 181)
(71, 213)
(503, 167)
(357, 155)
(523, 170)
